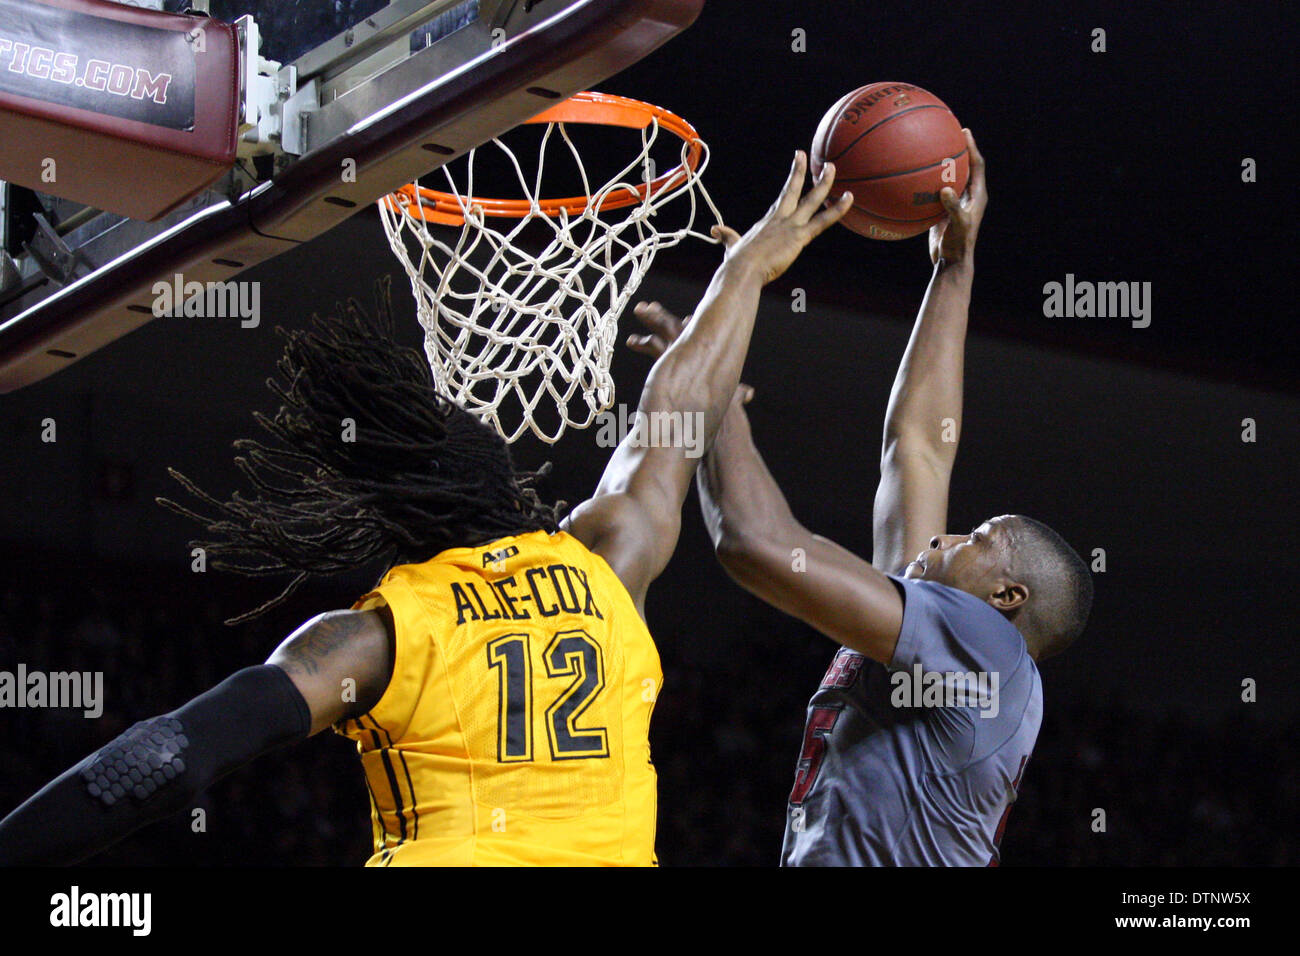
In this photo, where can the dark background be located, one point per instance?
(1121, 166)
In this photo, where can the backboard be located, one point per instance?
(388, 89)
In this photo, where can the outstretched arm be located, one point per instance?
(634, 518)
(923, 421)
(160, 765)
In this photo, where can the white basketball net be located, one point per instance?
(510, 333)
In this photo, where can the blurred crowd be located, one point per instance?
(1173, 790)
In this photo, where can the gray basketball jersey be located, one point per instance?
(917, 764)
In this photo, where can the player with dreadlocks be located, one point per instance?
(420, 475)
(499, 679)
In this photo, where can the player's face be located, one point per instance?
(969, 562)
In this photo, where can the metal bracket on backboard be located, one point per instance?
(296, 111)
(264, 88)
(56, 261)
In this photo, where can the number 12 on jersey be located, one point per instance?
(574, 654)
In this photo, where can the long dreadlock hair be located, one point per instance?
(419, 476)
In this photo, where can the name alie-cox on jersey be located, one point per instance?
(540, 591)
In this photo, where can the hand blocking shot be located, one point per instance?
(921, 731)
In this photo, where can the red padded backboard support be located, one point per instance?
(122, 109)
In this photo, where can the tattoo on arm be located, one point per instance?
(305, 652)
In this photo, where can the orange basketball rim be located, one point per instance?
(601, 109)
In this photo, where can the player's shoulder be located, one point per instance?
(944, 597)
(593, 520)
(959, 612)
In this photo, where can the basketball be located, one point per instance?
(894, 146)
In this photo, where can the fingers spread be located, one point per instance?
(646, 345)
(816, 196)
(789, 200)
(830, 215)
(658, 320)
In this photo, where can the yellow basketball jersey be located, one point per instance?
(515, 729)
